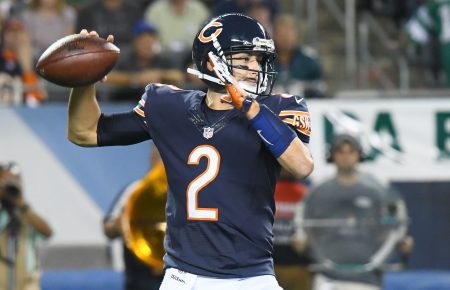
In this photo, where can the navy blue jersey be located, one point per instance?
(220, 204)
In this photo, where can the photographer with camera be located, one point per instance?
(20, 229)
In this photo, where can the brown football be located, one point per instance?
(77, 60)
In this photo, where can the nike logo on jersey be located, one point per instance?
(298, 99)
(262, 137)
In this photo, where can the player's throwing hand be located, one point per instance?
(237, 96)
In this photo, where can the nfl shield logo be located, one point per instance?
(208, 132)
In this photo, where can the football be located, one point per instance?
(77, 60)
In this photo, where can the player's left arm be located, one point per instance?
(297, 159)
(290, 151)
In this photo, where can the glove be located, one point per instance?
(236, 95)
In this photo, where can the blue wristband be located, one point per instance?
(276, 135)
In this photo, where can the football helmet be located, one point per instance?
(230, 34)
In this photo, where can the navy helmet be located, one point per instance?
(235, 33)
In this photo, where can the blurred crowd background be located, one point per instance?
(378, 70)
(327, 49)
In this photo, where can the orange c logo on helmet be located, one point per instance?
(216, 33)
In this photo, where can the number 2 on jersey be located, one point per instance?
(213, 156)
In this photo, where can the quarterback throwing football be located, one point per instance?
(222, 150)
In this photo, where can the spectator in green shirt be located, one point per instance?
(299, 70)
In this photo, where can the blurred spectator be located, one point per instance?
(177, 22)
(241, 6)
(299, 70)
(116, 17)
(290, 266)
(48, 21)
(230, 6)
(428, 24)
(77, 3)
(18, 82)
(398, 11)
(142, 65)
(352, 223)
(11, 8)
(209, 4)
(138, 275)
(261, 11)
(5, 8)
(21, 227)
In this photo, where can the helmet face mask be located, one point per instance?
(236, 33)
(265, 75)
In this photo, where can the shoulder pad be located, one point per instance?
(152, 91)
(157, 88)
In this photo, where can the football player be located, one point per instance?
(222, 151)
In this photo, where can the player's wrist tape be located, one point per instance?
(276, 135)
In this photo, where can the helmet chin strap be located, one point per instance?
(204, 76)
(248, 88)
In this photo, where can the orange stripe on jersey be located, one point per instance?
(139, 111)
(142, 103)
(299, 120)
(291, 112)
(288, 120)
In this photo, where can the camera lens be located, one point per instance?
(11, 190)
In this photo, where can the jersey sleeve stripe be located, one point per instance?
(288, 120)
(291, 112)
(142, 103)
(297, 119)
(139, 111)
(291, 122)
